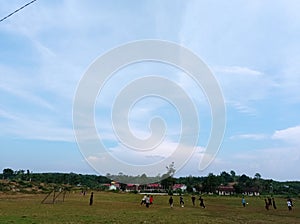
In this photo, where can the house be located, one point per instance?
(112, 186)
(225, 190)
(179, 186)
(251, 191)
(105, 186)
(132, 187)
(153, 187)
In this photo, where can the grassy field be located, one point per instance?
(125, 208)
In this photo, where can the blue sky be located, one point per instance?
(252, 48)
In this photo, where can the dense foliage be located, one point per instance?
(209, 183)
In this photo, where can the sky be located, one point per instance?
(251, 47)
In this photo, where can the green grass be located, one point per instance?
(125, 208)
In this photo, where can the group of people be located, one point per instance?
(181, 201)
(269, 203)
(147, 200)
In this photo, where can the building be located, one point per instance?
(225, 190)
(251, 191)
(179, 186)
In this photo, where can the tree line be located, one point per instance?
(208, 184)
(241, 183)
(73, 179)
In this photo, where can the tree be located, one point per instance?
(232, 173)
(238, 188)
(225, 178)
(210, 183)
(257, 176)
(123, 186)
(257, 182)
(8, 173)
(244, 178)
(20, 174)
(28, 175)
(189, 188)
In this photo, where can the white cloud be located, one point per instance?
(94, 158)
(237, 70)
(58, 40)
(192, 166)
(278, 163)
(242, 107)
(249, 65)
(289, 135)
(250, 136)
(139, 160)
(17, 83)
(42, 127)
(243, 86)
(6, 115)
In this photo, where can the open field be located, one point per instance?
(125, 208)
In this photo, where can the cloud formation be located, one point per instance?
(251, 47)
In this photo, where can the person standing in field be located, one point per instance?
(266, 204)
(143, 200)
(201, 202)
(181, 202)
(151, 199)
(270, 201)
(274, 204)
(289, 204)
(244, 202)
(171, 202)
(193, 199)
(147, 201)
(92, 198)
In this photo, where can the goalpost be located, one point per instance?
(55, 196)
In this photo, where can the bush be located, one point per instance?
(179, 191)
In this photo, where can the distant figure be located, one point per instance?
(143, 200)
(151, 199)
(181, 202)
(270, 201)
(201, 202)
(266, 204)
(274, 204)
(147, 201)
(171, 202)
(244, 202)
(193, 199)
(92, 198)
(289, 204)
